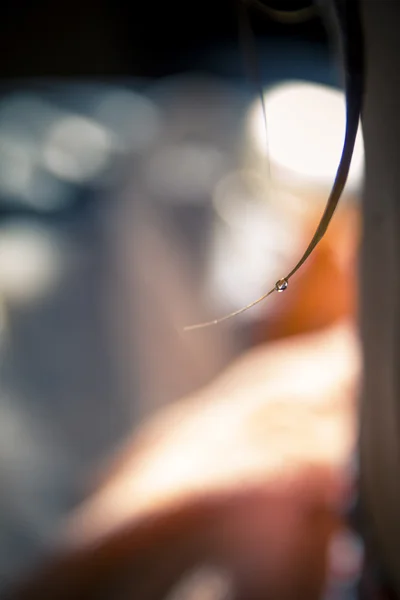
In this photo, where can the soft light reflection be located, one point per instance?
(27, 115)
(345, 559)
(22, 181)
(30, 261)
(77, 149)
(24, 120)
(3, 320)
(184, 172)
(31, 467)
(204, 583)
(17, 164)
(257, 423)
(305, 131)
(253, 241)
(48, 193)
(132, 117)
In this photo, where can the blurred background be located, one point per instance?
(140, 192)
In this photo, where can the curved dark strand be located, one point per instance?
(348, 16)
(300, 15)
(352, 46)
(248, 43)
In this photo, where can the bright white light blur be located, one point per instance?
(132, 117)
(252, 244)
(30, 261)
(77, 149)
(184, 172)
(305, 131)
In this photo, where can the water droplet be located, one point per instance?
(281, 285)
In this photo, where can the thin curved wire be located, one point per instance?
(352, 42)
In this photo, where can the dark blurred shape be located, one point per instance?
(106, 37)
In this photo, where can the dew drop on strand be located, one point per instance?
(281, 285)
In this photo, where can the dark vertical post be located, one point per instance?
(380, 285)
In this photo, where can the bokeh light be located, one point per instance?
(77, 149)
(305, 133)
(31, 261)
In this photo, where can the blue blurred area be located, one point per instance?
(278, 60)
